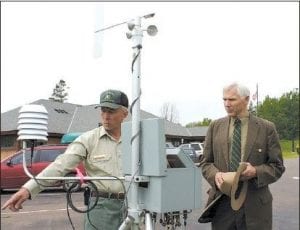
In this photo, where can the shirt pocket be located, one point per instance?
(101, 161)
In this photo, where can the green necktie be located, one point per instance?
(236, 146)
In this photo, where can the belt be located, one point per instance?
(119, 196)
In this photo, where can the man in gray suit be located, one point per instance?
(259, 148)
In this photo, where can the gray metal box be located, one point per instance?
(179, 190)
(174, 180)
(152, 147)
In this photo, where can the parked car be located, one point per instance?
(12, 172)
(169, 145)
(191, 153)
(198, 146)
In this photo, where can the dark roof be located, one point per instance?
(66, 117)
(59, 116)
(198, 131)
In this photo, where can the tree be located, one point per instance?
(59, 92)
(284, 113)
(169, 112)
(204, 122)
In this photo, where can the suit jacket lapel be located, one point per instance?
(253, 129)
(225, 134)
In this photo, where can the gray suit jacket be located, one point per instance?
(262, 150)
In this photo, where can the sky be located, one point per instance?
(199, 48)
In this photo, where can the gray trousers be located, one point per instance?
(107, 215)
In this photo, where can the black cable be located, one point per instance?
(88, 216)
(125, 204)
(87, 198)
(132, 65)
(69, 217)
(31, 151)
(136, 56)
(87, 195)
(89, 220)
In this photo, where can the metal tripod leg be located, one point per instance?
(148, 221)
(126, 225)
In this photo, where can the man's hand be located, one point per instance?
(219, 179)
(248, 173)
(16, 200)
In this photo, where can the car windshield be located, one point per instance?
(196, 146)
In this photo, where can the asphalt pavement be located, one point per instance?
(48, 209)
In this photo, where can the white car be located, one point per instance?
(169, 145)
(198, 146)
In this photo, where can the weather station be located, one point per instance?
(157, 180)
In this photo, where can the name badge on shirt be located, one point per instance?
(100, 157)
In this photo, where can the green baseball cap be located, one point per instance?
(113, 99)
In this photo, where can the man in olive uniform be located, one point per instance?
(100, 151)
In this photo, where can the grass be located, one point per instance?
(286, 146)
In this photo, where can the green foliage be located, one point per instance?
(287, 146)
(205, 122)
(284, 113)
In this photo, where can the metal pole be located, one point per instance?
(135, 141)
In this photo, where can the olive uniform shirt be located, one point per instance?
(100, 154)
